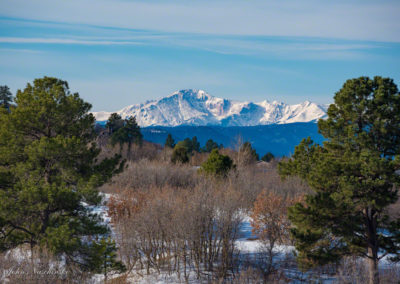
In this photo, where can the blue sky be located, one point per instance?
(120, 52)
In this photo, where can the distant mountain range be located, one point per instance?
(197, 108)
(280, 139)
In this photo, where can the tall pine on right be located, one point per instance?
(355, 178)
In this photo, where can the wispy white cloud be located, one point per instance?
(227, 45)
(64, 41)
(278, 46)
(22, 50)
(361, 20)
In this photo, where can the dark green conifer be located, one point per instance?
(268, 157)
(354, 178)
(180, 154)
(49, 170)
(129, 133)
(103, 258)
(169, 142)
(5, 97)
(217, 165)
(210, 145)
(114, 123)
(195, 144)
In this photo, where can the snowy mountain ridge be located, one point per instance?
(197, 108)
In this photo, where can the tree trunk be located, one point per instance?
(373, 246)
(373, 271)
(105, 268)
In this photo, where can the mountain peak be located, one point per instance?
(199, 94)
(197, 107)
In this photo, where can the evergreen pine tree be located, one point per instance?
(132, 132)
(103, 258)
(5, 96)
(180, 154)
(187, 142)
(268, 157)
(114, 123)
(48, 170)
(354, 178)
(169, 142)
(129, 133)
(210, 145)
(247, 155)
(217, 165)
(195, 144)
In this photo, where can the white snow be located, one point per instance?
(196, 107)
(247, 244)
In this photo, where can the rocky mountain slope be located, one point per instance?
(197, 108)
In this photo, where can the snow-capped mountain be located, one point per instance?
(196, 107)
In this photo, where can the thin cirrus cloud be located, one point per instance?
(240, 45)
(63, 41)
(40, 34)
(360, 20)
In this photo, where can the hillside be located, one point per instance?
(280, 139)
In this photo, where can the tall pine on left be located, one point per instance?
(49, 170)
